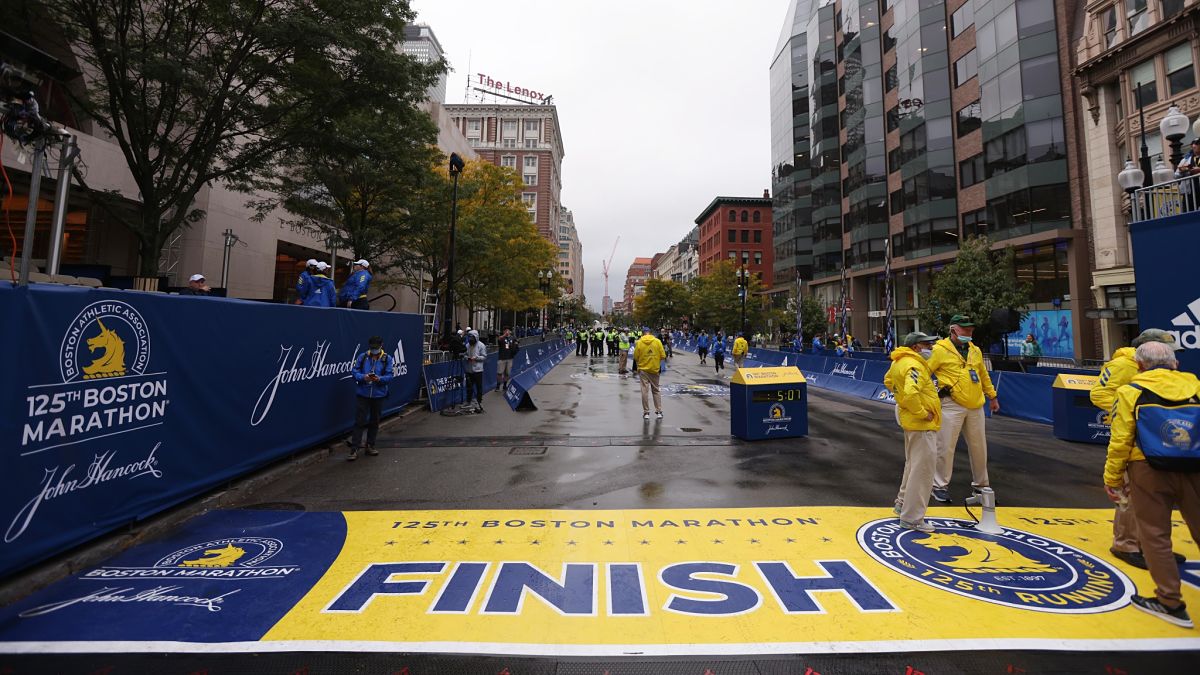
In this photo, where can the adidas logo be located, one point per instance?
(1188, 339)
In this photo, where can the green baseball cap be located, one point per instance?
(1156, 335)
(917, 338)
(961, 320)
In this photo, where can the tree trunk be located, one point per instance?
(149, 249)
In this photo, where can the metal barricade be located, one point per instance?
(1163, 200)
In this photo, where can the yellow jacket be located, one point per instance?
(911, 381)
(648, 353)
(953, 371)
(1115, 374)
(1122, 445)
(740, 347)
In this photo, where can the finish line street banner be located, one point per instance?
(607, 583)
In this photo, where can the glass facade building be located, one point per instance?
(926, 121)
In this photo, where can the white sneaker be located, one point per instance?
(919, 527)
(645, 415)
(658, 414)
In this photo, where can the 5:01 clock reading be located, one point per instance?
(776, 395)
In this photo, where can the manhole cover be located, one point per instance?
(528, 450)
(691, 430)
(275, 506)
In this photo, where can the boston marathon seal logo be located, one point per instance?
(239, 551)
(1016, 568)
(107, 339)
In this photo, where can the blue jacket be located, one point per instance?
(817, 345)
(355, 287)
(303, 285)
(321, 292)
(702, 341)
(381, 367)
(718, 347)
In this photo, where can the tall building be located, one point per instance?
(527, 139)
(1123, 52)
(422, 44)
(929, 122)
(689, 255)
(738, 229)
(570, 254)
(635, 279)
(790, 150)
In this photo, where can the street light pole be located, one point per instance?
(456, 166)
(1145, 159)
(743, 287)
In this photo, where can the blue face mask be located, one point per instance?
(375, 351)
(964, 338)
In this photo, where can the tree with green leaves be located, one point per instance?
(197, 92)
(717, 305)
(812, 317)
(662, 304)
(978, 282)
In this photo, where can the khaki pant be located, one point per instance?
(1154, 493)
(650, 385)
(737, 360)
(624, 356)
(920, 455)
(969, 422)
(1125, 530)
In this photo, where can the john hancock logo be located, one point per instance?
(106, 339)
(1016, 568)
(231, 558)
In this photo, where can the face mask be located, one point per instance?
(375, 351)
(964, 338)
(927, 353)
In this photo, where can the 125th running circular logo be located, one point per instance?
(1016, 568)
(107, 339)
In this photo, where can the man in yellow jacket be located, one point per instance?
(1117, 373)
(648, 354)
(919, 414)
(740, 348)
(963, 384)
(1153, 457)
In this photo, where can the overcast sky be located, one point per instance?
(664, 104)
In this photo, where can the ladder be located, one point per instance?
(168, 259)
(429, 311)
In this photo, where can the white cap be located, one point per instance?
(364, 263)
(312, 262)
(322, 265)
(196, 277)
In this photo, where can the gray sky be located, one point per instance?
(664, 104)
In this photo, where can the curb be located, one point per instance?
(235, 492)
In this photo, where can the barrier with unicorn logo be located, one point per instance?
(120, 404)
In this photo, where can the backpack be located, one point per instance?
(1168, 432)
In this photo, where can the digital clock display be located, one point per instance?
(775, 395)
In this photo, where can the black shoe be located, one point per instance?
(1177, 616)
(1179, 559)
(941, 495)
(1134, 558)
(353, 455)
(371, 451)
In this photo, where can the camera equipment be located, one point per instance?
(20, 115)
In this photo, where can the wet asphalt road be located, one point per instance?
(587, 447)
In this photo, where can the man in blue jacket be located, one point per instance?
(304, 283)
(702, 343)
(354, 291)
(372, 373)
(321, 291)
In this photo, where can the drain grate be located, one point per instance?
(528, 450)
(691, 430)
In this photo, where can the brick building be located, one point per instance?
(635, 279)
(738, 229)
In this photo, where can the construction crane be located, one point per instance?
(606, 306)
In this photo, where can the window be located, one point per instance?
(1004, 153)
(533, 127)
(897, 201)
(1181, 76)
(970, 170)
(1171, 7)
(733, 236)
(1136, 16)
(508, 129)
(893, 160)
(508, 143)
(1108, 23)
(1143, 83)
(891, 81)
(509, 161)
(758, 236)
(474, 127)
(530, 199)
(1039, 77)
(531, 143)
(962, 19)
(745, 257)
(758, 216)
(531, 162)
(733, 255)
(530, 179)
(969, 118)
(1044, 139)
(974, 223)
(732, 216)
(745, 216)
(758, 257)
(1034, 16)
(745, 236)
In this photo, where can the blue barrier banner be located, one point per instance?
(445, 383)
(123, 403)
(1164, 249)
(1027, 397)
(532, 372)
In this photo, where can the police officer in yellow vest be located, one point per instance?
(963, 384)
(1115, 374)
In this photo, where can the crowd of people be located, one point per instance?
(315, 287)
